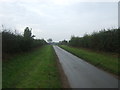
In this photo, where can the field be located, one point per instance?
(36, 69)
(105, 61)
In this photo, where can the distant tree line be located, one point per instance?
(14, 43)
(104, 40)
(64, 42)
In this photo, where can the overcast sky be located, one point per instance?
(59, 19)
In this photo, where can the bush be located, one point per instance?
(12, 43)
(104, 40)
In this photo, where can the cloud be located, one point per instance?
(59, 2)
(37, 9)
(57, 19)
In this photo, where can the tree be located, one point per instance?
(64, 42)
(104, 40)
(27, 33)
(49, 40)
(28, 39)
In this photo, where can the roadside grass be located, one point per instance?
(102, 60)
(35, 69)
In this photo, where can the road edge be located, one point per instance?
(114, 75)
(63, 77)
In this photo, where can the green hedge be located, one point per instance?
(13, 43)
(105, 40)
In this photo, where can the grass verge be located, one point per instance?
(102, 60)
(35, 69)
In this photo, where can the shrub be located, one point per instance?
(104, 40)
(13, 43)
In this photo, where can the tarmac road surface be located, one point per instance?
(81, 74)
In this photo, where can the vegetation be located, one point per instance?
(14, 43)
(49, 40)
(64, 42)
(88, 46)
(36, 69)
(104, 40)
(106, 61)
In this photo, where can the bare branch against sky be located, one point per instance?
(59, 19)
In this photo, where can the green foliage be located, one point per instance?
(64, 42)
(105, 40)
(49, 40)
(28, 40)
(75, 41)
(13, 43)
(10, 42)
(27, 33)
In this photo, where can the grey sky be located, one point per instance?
(58, 19)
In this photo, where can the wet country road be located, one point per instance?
(81, 74)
